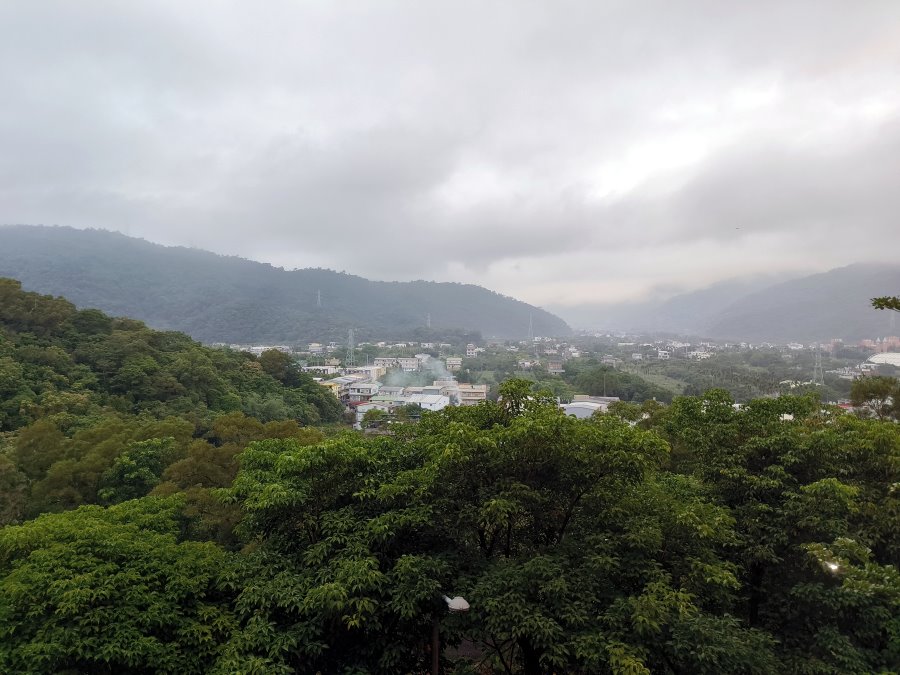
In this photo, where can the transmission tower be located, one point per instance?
(428, 320)
(818, 374)
(350, 361)
(318, 298)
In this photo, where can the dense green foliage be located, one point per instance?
(877, 395)
(606, 381)
(817, 523)
(110, 591)
(226, 299)
(56, 361)
(98, 410)
(698, 537)
(887, 302)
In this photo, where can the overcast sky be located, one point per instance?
(560, 152)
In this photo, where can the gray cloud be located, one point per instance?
(556, 151)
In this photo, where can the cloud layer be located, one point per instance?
(561, 152)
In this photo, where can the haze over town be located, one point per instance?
(562, 153)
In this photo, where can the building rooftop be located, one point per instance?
(889, 358)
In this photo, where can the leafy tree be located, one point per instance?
(606, 381)
(137, 470)
(373, 417)
(37, 447)
(553, 527)
(53, 355)
(110, 591)
(276, 363)
(13, 492)
(878, 394)
(816, 520)
(887, 302)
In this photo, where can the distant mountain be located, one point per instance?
(684, 314)
(217, 298)
(832, 304)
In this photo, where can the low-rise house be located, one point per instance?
(409, 364)
(343, 383)
(371, 372)
(472, 394)
(362, 391)
(385, 361)
(324, 370)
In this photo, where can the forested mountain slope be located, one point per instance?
(834, 304)
(56, 359)
(96, 410)
(216, 298)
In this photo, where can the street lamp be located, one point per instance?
(454, 606)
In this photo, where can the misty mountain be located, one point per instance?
(683, 314)
(833, 304)
(229, 299)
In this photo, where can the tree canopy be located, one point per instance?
(699, 537)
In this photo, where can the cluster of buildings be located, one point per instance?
(663, 350)
(361, 389)
(361, 396)
(882, 345)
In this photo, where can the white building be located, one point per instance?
(454, 363)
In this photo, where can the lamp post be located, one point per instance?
(454, 605)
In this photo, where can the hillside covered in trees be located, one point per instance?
(94, 409)
(164, 508)
(226, 299)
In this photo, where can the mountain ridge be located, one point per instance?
(820, 306)
(217, 298)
